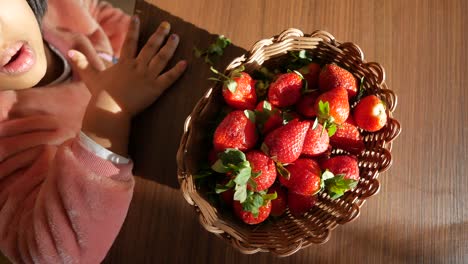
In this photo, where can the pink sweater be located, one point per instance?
(59, 201)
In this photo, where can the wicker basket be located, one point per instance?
(286, 235)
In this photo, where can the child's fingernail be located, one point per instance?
(174, 37)
(165, 25)
(136, 19)
(183, 63)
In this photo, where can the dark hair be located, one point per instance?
(39, 7)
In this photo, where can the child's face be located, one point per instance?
(22, 57)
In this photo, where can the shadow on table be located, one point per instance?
(157, 131)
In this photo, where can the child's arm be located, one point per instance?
(59, 201)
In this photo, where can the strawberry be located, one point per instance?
(235, 131)
(249, 217)
(344, 164)
(285, 144)
(311, 73)
(333, 76)
(241, 175)
(348, 138)
(278, 205)
(334, 107)
(341, 174)
(304, 177)
(212, 156)
(286, 90)
(268, 117)
(300, 204)
(316, 142)
(238, 89)
(228, 197)
(263, 170)
(305, 106)
(370, 113)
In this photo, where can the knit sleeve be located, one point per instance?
(59, 201)
(112, 20)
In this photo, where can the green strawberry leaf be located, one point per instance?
(237, 72)
(315, 125)
(338, 185)
(332, 129)
(261, 88)
(269, 197)
(243, 176)
(282, 171)
(267, 106)
(303, 55)
(233, 156)
(215, 50)
(323, 111)
(287, 117)
(250, 115)
(325, 176)
(323, 127)
(231, 85)
(265, 149)
(203, 174)
(240, 193)
(256, 174)
(361, 90)
(197, 52)
(252, 183)
(222, 188)
(219, 166)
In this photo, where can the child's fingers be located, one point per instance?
(159, 62)
(81, 64)
(154, 43)
(166, 79)
(130, 44)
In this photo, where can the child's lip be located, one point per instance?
(17, 58)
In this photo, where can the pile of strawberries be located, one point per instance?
(272, 151)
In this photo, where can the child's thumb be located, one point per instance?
(81, 64)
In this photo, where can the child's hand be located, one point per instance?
(135, 81)
(128, 87)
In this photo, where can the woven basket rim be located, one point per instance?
(290, 39)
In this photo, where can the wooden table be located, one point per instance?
(421, 212)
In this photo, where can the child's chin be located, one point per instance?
(23, 81)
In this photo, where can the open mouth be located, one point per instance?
(17, 59)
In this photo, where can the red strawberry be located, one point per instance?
(285, 143)
(238, 89)
(316, 141)
(268, 117)
(370, 114)
(228, 197)
(311, 73)
(248, 217)
(286, 90)
(304, 177)
(262, 164)
(300, 204)
(278, 205)
(305, 106)
(345, 164)
(348, 138)
(235, 131)
(333, 76)
(338, 106)
(212, 156)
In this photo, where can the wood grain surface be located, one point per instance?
(421, 212)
